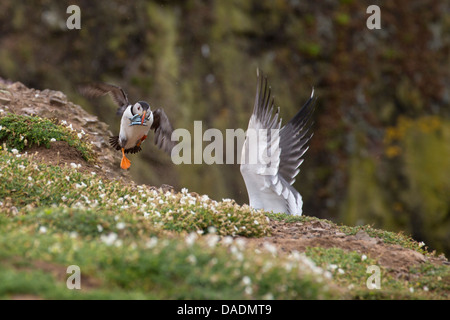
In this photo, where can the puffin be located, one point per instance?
(137, 120)
(272, 154)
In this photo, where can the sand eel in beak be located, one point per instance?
(271, 154)
(137, 120)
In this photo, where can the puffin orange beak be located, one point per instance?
(143, 118)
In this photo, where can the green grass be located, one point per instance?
(134, 241)
(28, 185)
(19, 132)
(388, 237)
(291, 218)
(129, 263)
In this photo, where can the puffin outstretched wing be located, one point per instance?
(94, 90)
(163, 130)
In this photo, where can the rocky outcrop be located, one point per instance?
(17, 98)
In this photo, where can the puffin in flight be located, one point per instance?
(271, 154)
(137, 120)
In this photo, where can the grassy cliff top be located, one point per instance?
(141, 242)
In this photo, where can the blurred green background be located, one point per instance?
(381, 150)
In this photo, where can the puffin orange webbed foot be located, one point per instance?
(125, 163)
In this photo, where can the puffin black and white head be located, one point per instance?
(137, 120)
(269, 180)
(142, 109)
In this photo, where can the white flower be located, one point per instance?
(79, 135)
(109, 239)
(332, 267)
(270, 247)
(99, 228)
(15, 151)
(212, 229)
(30, 179)
(240, 243)
(1, 127)
(82, 185)
(190, 238)
(73, 234)
(227, 240)
(63, 122)
(363, 257)
(192, 259)
(152, 242)
(247, 281)
(42, 229)
(295, 255)
(268, 296)
(55, 248)
(120, 226)
(52, 140)
(212, 240)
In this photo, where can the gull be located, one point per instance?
(271, 154)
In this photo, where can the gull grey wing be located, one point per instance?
(263, 108)
(163, 130)
(294, 137)
(95, 90)
(260, 143)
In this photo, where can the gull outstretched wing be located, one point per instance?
(272, 154)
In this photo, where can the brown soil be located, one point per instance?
(298, 236)
(60, 153)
